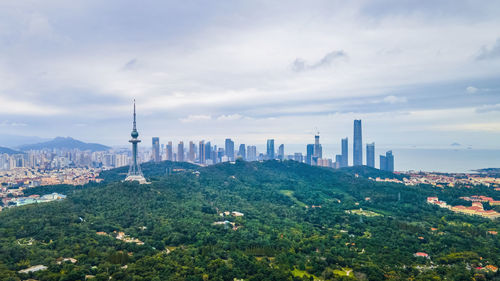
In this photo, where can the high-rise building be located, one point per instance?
(281, 152)
(134, 172)
(156, 150)
(180, 152)
(390, 161)
(242, 152)
(220, 153)
(169, 152)
(317, 150)
(298, 157)
(229, 149)
(208, 151)
(339, 161)
(370, 155)
(191, 152)
(387, 161)
(309, 154)
(270, 149)
(213, 156)
(201, 153)
(357, 144)
(251, 153)
(345, 153)
(383, 163)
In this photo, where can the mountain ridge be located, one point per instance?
(65, 143)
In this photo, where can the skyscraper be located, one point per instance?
(390, 161)
(309, 154)
(317, 150)
(156, 149)
(297, 156)
(170, 154)
(370, 155)
(387, 162)
(383, 163)
(192, 151)
(242, 152)
(180, 152)
(208, 151)
(358, 144)
(270, 149)
(281, 152)
(229, 149)
(251, 153)
(338, 161)
(201, 152)
(134, 172)
(345, 153)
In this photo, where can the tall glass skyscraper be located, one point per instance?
(156, 150)
(387, 162)
(251, 153)
(281, 152)
(170, 153)
(229, 149)
(370, 155)
(208, 151)
(180, 152)
(345, 153)
(270, 149)
(357, 144)
(192, 151)
(309, 154)
(201, 152)
(242, 152)
(390, 161)
(318, 151)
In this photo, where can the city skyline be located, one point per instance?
(408, 70)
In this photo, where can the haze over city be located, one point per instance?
(420, 74)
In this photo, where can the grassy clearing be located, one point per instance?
(289, 193)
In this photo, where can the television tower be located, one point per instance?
(134, 172)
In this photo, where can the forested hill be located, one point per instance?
(245, 221)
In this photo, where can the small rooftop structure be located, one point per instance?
(34, 268)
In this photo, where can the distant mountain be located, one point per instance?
(64, 143)
(489, 171)
(5, 150)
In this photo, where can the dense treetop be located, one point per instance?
(299, 223)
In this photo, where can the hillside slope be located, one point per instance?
(294, 227)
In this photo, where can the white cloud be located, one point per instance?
(229, 117)
(195, 118)
(394, 99)
(471, 90)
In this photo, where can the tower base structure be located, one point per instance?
(137, 178)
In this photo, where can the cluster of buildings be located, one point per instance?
(32, 199)
(451, 179)
(476, 209)
(481, 198)
(48, 159)
(206, 153)
(31, 177)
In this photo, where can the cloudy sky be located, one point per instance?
(420, 73)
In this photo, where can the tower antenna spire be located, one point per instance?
(134, 116)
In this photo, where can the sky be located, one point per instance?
(420, 74)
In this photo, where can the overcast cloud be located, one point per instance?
(419, 73)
